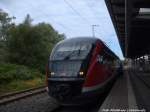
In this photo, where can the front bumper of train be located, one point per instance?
(69, 92)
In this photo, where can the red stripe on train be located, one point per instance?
(96, 72)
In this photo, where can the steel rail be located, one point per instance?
(10, 97)
(142, 80)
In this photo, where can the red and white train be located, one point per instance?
(80, 69)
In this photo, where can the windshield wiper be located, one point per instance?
(75, 51)
(79, 50)
(68, 56)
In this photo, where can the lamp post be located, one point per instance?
(93, 30)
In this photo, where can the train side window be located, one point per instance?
(105, 60)
(100, 59)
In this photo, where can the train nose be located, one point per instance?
(61, 91)
(65, 90)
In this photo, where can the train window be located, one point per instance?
(74, 47)
(68, 48)
(107, 58)
(65, 68)
(71, 51)
(103, 58)
(100, 59)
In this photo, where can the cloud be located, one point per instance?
(64, 19)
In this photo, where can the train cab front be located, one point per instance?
(67, 69)
(65, 85)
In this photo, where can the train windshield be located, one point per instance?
(65, 68)
(73, 51)
(66, 59)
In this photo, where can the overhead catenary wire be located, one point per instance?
(76, 12)
(100, 33)
(92, 10)
(52, 20)
(67, 28)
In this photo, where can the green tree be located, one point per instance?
(31, 44)
(28, 20)
(5, 25)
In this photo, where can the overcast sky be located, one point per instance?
(71, 17)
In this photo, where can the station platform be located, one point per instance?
(125, 95)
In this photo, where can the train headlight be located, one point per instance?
(52, 73)
(81, 73)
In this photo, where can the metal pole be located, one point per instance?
(126, 35)
(128, 15)
(93, 34)
(93, 30)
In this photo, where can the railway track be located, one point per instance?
(57, 109)
(141, 90)
(75, 109)
(10, 97)
(93, 107)
(142, 80)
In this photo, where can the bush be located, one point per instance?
(10, 72)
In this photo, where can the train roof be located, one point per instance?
(91, 40)
(80, 39)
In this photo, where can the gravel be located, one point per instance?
(37, 103)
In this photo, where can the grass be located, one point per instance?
(18, 77)
(20, 85)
